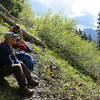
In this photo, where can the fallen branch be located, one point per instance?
(3, 9)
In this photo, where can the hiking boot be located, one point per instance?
(32, 84)
(27, 92)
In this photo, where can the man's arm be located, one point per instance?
(5, 57)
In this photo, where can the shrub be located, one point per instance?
(58, 33)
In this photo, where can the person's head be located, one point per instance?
(16, 28)
(11, 38)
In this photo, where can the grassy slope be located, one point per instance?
(58, 34)
(73, 84)
(3, 29)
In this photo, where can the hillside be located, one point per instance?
(57, 78)
(67, 67)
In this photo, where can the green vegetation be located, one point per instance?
(74, 84)
(3, 29)
(13, 6)
(27, 16)
(98, 32)
(58, 34)
(77, 61)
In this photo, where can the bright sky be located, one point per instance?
(84, 11)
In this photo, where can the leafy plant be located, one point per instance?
(58, 33)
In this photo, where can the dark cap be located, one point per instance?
(16, 27)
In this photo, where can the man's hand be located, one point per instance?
(16, 65)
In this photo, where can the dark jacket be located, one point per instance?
(7, 56)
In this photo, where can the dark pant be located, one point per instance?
(21, 73)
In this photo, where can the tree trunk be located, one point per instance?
(4, 10)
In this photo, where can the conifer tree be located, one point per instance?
(90, 38)
(85, 36)
(98, 32)
(80, 32)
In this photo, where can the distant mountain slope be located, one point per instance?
(92, 32)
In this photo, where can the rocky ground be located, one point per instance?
(45, 90)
